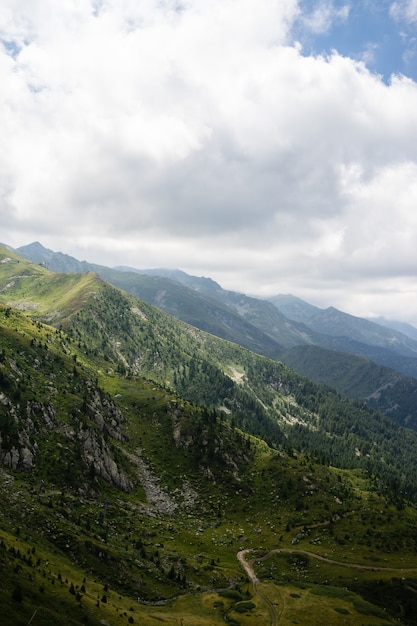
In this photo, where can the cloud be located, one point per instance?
(404, 10)
(323, 16)
(196, 134)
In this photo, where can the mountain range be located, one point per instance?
(361, 359)
(152, 472)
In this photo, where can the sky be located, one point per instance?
(269, 145)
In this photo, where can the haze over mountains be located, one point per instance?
(361, 359)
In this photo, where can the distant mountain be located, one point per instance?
(144, 464)
(406, 329)
(331, 321)
(198, 283)
(295, 323)
(359, 378)
(346, 333)
(294, 308)
(262, 327)
(252, 323)
(301, 323)
(335, 323)
(55, 261)
(258, 312)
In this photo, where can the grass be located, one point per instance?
(74, 549)
(305, 606)
(204, 547)
(32, 287)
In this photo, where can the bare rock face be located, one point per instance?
(156, 495)
(98, 455)
(15, 459)
(39, 417)
(20, 455)
(94, 427)
(11, 458)
(26, 459)
(106, 415)
(43, 412)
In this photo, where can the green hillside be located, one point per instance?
(361, 360)
(261, 396)
(359, 378)
(140, 457)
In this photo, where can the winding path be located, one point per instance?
(248, 567)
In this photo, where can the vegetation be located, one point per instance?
(360, 359)
(139, 456)
(358, 378)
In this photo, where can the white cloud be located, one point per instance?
(196, 135)
(324, 15)
(404, 10)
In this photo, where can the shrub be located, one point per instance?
(242, 607)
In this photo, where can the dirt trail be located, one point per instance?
(248, 567)
(319, 557)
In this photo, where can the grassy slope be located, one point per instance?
(244, 493)
(263, 396)
(199, 310)
(268, 500)
(253, 324)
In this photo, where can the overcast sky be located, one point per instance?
(268, 144)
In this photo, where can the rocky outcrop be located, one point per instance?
(106, 415)
(156, 496)
(97, 455)
(26, 425)
(17, 458)
(17, 450)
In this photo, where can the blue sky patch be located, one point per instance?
(365, 30)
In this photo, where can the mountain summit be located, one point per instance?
(360, 359)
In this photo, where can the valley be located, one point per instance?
(360, 359)
(154, 473)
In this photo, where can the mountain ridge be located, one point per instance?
(318, 318)
(260, 326)
(143, 340)
(141, 456)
